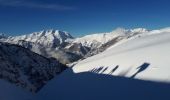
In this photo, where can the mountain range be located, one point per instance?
(68, 49)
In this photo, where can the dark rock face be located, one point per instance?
(25, 68)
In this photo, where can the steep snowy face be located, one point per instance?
(48, 38)
(143, 57)
(26, 69)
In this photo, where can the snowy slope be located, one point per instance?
(135, 69)
(145, 57)
(91, 86)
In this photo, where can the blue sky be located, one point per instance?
(80, 17)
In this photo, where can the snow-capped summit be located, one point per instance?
(47, 42)
(49, 38)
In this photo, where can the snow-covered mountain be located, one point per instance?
(101, 41)
(47, 43)
(67, 49)
(62, 46)
(102, 38)
(136, 68)
(26, 69)
(48, 38)
(131, 65)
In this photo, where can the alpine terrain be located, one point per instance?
(67, 49)
(122, 64)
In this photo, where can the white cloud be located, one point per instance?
(31, 4)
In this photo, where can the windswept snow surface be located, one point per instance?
(145, 57)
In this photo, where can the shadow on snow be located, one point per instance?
(92, 86)
(102, 69)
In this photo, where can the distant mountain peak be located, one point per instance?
(53, 32)
(48, 38)
(123, 30)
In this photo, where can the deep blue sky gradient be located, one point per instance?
(80, 17)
